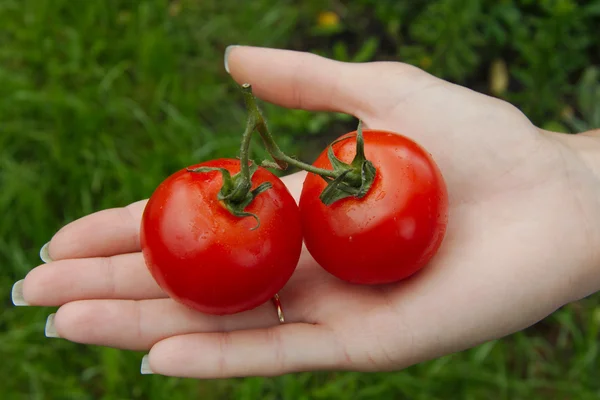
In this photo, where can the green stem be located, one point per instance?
(261, 126)
(245, 150)
(243, 183)
(236, 191)
(306, 167)
(343, 180)
(360, 146)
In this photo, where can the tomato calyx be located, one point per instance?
(354, 179)
(236, 193)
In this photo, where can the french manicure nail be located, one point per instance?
(17, 294)
(44, 254)
(50, 330)
(226, 58)
(145, 368)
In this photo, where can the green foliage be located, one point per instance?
(100, 100)
(587, 101)
(546, 44)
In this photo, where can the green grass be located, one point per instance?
(100, 100)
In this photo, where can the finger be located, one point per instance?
(116, 231)
(260, 352)
(119, 277)
(137, 325)
(101, 234)
(303, 80)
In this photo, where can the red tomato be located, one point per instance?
(210, 260)
(390, 233)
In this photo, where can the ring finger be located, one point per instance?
(137, 325)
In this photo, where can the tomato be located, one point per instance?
(210, 260)
(391, 232)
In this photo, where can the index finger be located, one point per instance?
(102, 234)
(116, 231)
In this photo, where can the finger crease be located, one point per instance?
(274, 336)
(224, 345)
(111, 279)
(128, 218)
(139, 318)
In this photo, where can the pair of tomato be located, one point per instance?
(212, 261)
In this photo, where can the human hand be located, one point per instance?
(522, 240)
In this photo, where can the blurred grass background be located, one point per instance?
(100, 100)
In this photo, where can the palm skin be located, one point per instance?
(524, 215)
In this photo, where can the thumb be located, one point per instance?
(307, 81)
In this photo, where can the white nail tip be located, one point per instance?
(44, 254)
(50, 330)
(145, 367)
(226, 58)
(17, 294)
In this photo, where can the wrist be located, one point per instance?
(589, 150)
(586, 147)
(594, 162)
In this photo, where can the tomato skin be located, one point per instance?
(210, 260)
(390, 233)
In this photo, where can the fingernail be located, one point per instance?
(50, 330)
(44, 254)
(17, 294)
(226, 58)
(145, 368)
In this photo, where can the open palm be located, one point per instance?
(520, 217)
